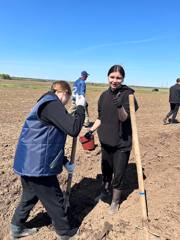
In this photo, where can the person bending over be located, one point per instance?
(39, 158)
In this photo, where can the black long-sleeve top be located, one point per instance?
(56, 114)
(112, 132)
(174, 94)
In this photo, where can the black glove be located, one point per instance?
(88, 135)
(118, 100)
(65, 160)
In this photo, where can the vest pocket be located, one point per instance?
(56, 160)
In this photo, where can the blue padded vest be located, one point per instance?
(40, 150)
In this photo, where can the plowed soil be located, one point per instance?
(160, 153)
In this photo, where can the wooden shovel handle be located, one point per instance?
(138, 159)
(70, 175)
(73, 150)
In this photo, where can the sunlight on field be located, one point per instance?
(160, 152)
(45, 85)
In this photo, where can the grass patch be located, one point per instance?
(23, 85)
(45, 85)
(149, 90)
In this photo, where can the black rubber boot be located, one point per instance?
(174, 121)
(165, 120)
(71, 235)
(18, 232)
(115, 201)
(105, 192)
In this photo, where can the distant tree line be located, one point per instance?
(4, 76)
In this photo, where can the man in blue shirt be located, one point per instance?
(79, 89)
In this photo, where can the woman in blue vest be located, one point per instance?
(40, 157)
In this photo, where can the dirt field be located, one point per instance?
(160, 153)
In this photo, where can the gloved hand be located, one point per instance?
(88, 135)
(118, 100)
(69, 167)
(80, 100)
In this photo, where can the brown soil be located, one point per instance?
(160, 158)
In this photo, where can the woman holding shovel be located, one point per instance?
(115, 135)
(40, 158)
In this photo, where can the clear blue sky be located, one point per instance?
(57, 39)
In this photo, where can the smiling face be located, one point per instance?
(115, 79)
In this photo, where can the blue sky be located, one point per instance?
(58, 39)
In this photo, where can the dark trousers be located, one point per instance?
(174, 107)
(47, 190)
(114, 162)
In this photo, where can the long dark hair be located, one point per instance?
(117, 68)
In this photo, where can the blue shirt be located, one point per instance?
(79, 88)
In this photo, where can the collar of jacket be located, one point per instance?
(48, 93)
(121, 88)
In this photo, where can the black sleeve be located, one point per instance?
(126, 103)
(99, 107)
(65, 160)
(56, 114)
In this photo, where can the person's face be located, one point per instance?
(84, 77)
(63, 97)
(115, 79)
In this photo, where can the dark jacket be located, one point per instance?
(112, 132)
(174, 95)
(55, 113)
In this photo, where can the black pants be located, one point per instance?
(114, 162)
(174, 107)
(47, 190)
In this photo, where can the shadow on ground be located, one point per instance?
(40, 220)
(84, 193)
(83, 196)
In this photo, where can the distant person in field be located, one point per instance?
(174, 100)
(40, 158)
(115, 134)
(79, 89)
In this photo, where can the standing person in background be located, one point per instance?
(79, 89)
(115, 135)
(40, 158)
(174, 100)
